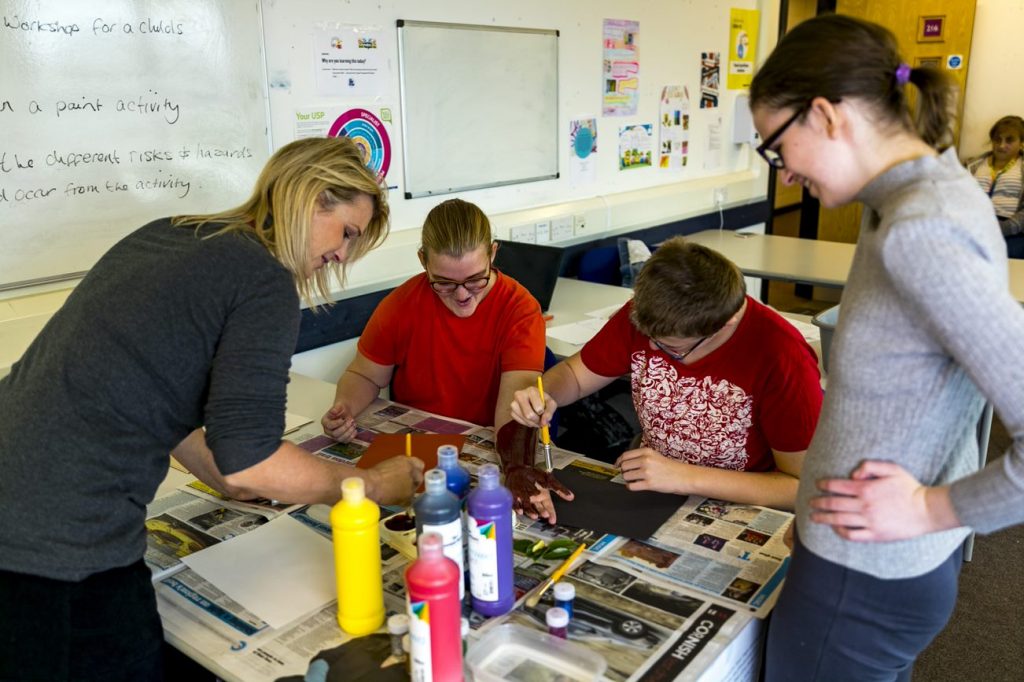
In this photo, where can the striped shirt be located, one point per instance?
(1003, 186)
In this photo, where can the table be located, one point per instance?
(805, 261)
(729, 649)
(571, 302)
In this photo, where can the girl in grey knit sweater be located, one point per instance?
(888, 491)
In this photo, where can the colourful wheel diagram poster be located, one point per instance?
(369, 134)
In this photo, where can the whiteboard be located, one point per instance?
(115, 113)
(479, 106)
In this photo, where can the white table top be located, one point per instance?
(571, 302)
(790, 259)
(309, 396)
(808, 261)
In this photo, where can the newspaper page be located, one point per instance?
(732, 551)
(242, 645)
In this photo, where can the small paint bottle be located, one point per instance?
(558, 622)
(398, 626)
(564, 594)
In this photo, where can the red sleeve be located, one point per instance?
(792, 402)
(522, 347)
(379, 340)
(610, 351)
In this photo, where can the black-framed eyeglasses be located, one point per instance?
(679, 357)
(472, 285)
(772, 156)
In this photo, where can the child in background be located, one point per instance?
(999, 174)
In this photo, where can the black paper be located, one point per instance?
(607, 507)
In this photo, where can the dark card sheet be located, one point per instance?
(607, 507)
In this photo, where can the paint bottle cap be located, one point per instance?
(431, 545)
(487, 477)
(557, 617)
(398, 624)
(353, 490)
(564, 591)
(435, 481)
(447, 456)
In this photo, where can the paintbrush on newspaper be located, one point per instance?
(566, 566)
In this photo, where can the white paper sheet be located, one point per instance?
(279, 572)
(606, 312)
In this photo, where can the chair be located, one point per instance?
(600, 265)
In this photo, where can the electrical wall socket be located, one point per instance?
(524, 233)
(561, 228)
(579, 224)
(543, 230)
(718, 196)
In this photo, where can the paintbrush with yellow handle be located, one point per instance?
(545, 435)
(566, 566)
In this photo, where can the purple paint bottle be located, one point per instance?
(489, 512)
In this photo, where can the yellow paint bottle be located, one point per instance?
(357, 567)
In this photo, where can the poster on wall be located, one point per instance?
(621, 82)
(709, 70)
(674, 114)
(368, 129)
(635, 146)
(349, 61)
(743, 25)
(583, 150)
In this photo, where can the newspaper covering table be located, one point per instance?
(662, 608)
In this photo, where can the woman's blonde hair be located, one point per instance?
(301, 177)
(455, 227)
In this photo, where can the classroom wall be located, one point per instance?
(672, 35)
(671, 38)
(994, 72)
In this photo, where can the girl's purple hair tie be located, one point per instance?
(903, 74)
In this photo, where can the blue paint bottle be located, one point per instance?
(458, 477)
(489, 524)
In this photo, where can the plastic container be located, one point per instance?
(435, 613)
(439, 511)
(826, 321)
(513, 651)
(489, 525)
(357, 567)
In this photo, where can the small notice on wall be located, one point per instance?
(635, 142)
(709, 77)
(675, 127)
(348, 61)
(621, 83)
(742, 47)
(583, 150)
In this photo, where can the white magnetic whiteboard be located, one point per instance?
(479, 106)
(114, 113)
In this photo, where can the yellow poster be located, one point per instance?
(742, 47)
